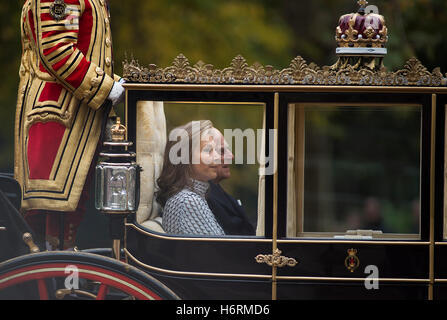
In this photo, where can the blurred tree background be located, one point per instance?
(215, 31)
(267, 31)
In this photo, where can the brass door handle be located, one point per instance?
(276, 260)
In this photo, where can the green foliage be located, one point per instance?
(9, 64)
(212, 31)
(403, 219)
(266, 31)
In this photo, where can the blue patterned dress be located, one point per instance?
(188, 213)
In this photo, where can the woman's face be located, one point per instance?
(223, 168)
(209, 158)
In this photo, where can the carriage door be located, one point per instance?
(354, 196)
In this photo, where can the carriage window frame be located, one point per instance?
(261, 231)
(444, 232)
(296, 144)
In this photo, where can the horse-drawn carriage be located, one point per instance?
(347, 192)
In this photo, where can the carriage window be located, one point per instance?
(354, 171)
(232, 189)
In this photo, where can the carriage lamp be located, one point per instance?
(118, 176)
(117, 191)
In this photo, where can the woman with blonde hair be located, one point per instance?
(190, 161)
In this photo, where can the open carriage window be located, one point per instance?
(226, 199)
(354, 171)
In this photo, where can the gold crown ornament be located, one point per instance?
(361, 39)
(362, 33)
(118, 131)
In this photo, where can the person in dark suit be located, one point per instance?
(228, 211)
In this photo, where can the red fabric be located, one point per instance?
(56, 32)
(61, 63)
(43, 144)
(42, 68)
(46, 52)
(46, 224)
(31, 23)
(82, 44)
(46, 17)
(51, 91)
(85, 29)
(77, 76)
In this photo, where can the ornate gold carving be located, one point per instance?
(351, 37)
(369, 32)
(414, 73)
(299, 72)
(276, 260)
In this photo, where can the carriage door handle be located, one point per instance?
(276, 259)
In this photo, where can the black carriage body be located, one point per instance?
(307, 264)
(225, 268)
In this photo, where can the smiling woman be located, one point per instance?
(239, 173)
(184, 180)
